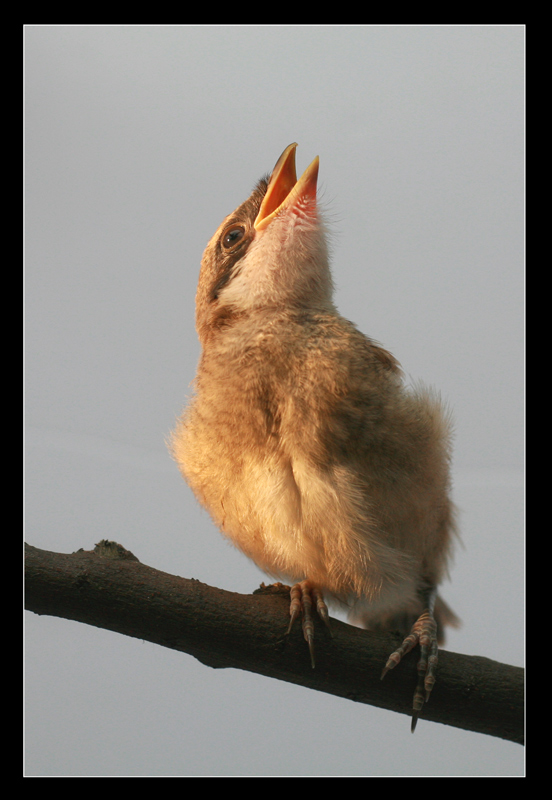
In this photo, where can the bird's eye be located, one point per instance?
(233, 236)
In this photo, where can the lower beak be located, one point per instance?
(284, 190)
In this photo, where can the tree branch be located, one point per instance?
(110, 588)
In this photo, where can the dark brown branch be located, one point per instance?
(110, 588)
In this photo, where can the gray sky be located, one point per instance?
(139, 140)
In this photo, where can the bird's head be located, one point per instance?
(270, 253)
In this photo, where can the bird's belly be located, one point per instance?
(296, 521)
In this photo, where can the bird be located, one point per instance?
(302, 438)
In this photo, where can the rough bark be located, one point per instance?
(109, 588)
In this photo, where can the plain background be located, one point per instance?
(139, 140)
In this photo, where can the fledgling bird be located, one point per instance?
(302, 440)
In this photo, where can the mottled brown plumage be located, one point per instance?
(303, 441)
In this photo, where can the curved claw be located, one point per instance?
(302, 596)
(424, 633)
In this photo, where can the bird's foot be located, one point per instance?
(303, 595)
(424, 633)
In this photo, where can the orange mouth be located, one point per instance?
(284, 190)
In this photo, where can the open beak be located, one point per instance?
(284, 190)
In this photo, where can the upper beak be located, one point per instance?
(284, 189)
